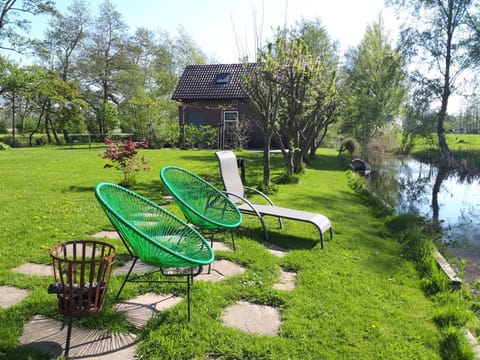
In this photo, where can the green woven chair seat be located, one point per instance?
(202, 204)
(153, 234)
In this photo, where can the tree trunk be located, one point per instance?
(313, 150)
(446, 157)
(47, 130)
(14, 125)
(35, 130)
(297, 161)
(441, 175)
(266, 161)
(442, 141)
(316, 142)
(54, 132)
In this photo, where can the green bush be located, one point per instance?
(201, 137)
(385, 139)
(457, 308)
(29, 126)
(399, 223)
(3, 127)
(207, 137)
(351, 146)
(452, 314)
(454, 345)
(167, 136)
(286, 178)
(4, 146)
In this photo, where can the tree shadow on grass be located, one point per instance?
(282, 239)
(74, 188)
(327, 163)
(154, 191)
(292, 242)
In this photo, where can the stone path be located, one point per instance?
(220, 269)
(11, 296)
(286, 281)
(49, 335)
(252, 318)
(142, 308)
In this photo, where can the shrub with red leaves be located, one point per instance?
(124, 156)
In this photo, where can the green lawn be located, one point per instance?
(357, 299)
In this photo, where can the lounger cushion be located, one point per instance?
(321, 221)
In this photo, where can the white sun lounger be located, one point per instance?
(236, 191)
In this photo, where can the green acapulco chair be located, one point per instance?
(203, 204)
(153, 235)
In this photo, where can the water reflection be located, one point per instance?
(451, 199)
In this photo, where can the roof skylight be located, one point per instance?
(222, 78)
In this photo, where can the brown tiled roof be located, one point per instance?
(198, 82)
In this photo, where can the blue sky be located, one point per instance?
(224, 28)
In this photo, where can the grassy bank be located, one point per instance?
(358, 298)
(465, 148)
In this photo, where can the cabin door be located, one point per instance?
(230, 129)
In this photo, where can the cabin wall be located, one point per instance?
(210, 112)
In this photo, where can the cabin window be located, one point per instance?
(230, 116)
(197, 118)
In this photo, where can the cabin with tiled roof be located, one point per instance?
(213, 95)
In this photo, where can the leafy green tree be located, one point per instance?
(57, 104)
(15, 88)
(264, 92)
(172, 55)
(146, 107)
(374, 84)
(141, 107)
(294, 94)
(108, 116)
(325, 50)
(14, 27)
(308, 104)
(437, 39)
(63, 39)
(104, 59)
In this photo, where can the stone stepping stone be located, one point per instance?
(286, 281)
(220, 269)
(106, 235)
(218, 245)
(276, 250)
(34, 269)
(50, 335)
(141, 309)
(252, 318)
(11, 296)
(140, 268)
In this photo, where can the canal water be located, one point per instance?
(409, 185)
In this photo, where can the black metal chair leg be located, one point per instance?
(211, 244)
(189, 279)
(69, 335)
(233, 240)
(126, 278)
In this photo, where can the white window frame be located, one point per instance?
(229, 112)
